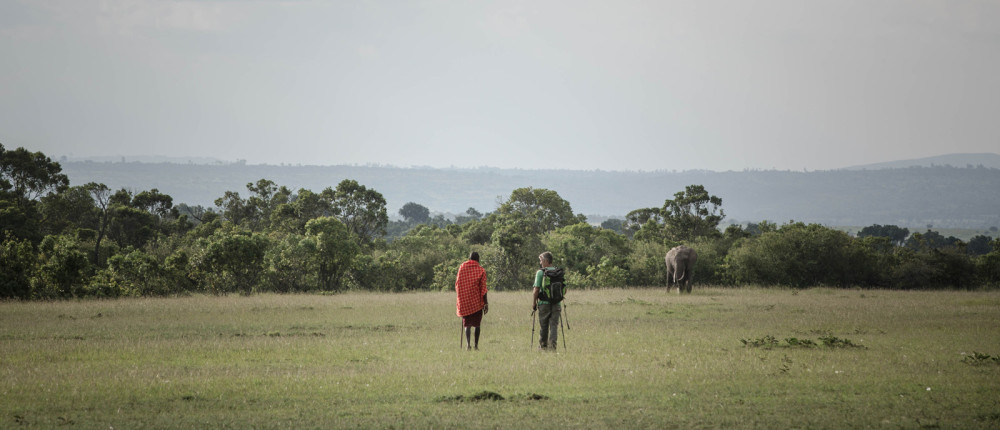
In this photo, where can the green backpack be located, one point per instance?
(556, 291)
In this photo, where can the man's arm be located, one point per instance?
(534, 299)
(484, 290)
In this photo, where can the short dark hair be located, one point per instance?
(474, 256)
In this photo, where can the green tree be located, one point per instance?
(25, 177)
(62, 270)
(947, 267)
(931, 240)
(101, 195)
(29, 175)
(637, 219)
(154, 202)
(471, 214)
(232, 261)
(137, 273)
(988, 266)
(646, 265)
(288, 265)
(614, 224)
(254, 213)
(894, 233)
(516, 243)
(70, 210)
(583, 247)
(415, 213)
(478, 232)
(800, 255)
(333, 250)
(17, 267)
(979, 245)
(302, 207)
(361, 209)
(545, 209)
(693, 213)
(518, 226)
(416, 257)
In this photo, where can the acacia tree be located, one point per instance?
(693, 213)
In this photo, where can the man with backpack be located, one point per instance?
(546, 298)
(470, 291)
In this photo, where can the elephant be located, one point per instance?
(680, 267)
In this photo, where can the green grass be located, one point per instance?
(635, 359)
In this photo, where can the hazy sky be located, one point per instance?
(611, 85)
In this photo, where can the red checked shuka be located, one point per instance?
(470, 286)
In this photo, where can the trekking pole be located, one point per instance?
(565, 318)
(461, 332)
(532, 328)
(563, 332)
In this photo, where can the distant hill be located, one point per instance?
(954, 160)
(914, 197)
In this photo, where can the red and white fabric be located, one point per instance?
(470, 287)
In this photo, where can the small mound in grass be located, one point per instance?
(490, 395)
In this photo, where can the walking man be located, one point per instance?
(470, 289)
(548, 313)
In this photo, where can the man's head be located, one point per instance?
(545, 259)
(474, 256)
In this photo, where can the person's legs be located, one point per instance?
(554, 326)
(544, 314)
(470, 321)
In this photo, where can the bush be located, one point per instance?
(63, 269)
(17, 267)
(800, 255)
(646, 265)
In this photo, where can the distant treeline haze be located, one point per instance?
(61, 240)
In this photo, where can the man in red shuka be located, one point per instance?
(470, 287)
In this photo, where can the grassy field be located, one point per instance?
(634, 359)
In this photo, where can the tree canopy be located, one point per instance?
(60, 241)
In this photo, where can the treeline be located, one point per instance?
(62, 241)
(945, 197)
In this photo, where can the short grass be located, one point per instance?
(638, 358)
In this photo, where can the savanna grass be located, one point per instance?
(639, 358)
